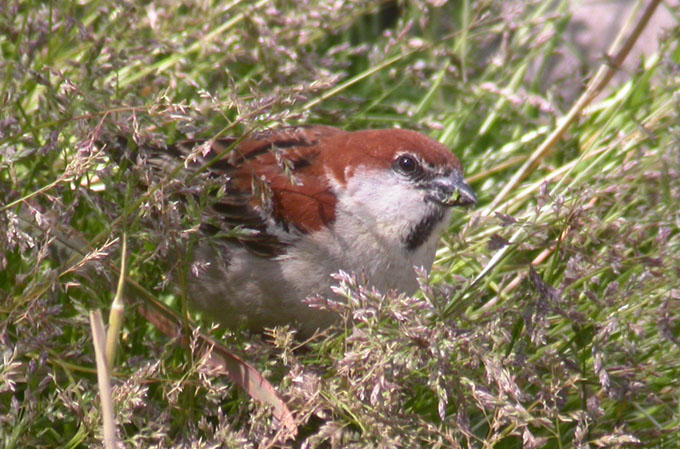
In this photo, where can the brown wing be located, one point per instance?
(275, 191)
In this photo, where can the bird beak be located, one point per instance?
(451, 191)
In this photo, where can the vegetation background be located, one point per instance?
(570, 339)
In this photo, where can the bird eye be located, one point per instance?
(407, 164)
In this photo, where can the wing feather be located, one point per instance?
(273, 192)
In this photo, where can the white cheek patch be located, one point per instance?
(388, 204)
(377, 211)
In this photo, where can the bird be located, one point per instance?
(300, 203)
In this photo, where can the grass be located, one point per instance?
(550, 319)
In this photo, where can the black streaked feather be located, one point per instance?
(235, 208)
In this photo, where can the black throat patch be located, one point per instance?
(422, 231)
